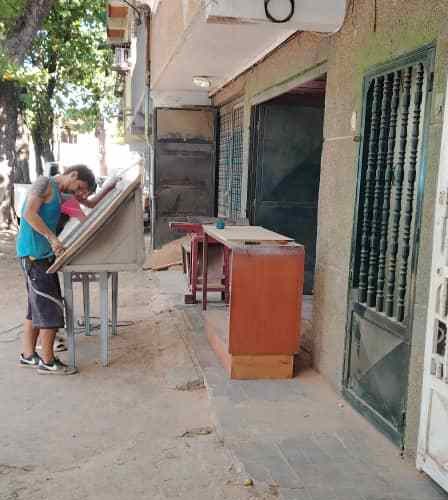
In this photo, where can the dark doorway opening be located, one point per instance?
(284, 173)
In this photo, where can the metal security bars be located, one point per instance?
(224, 162)
(237, 163)
(393, 137)
(230, 165)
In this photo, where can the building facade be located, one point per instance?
(326, 127)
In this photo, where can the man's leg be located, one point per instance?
(47, 337)
(29, 338)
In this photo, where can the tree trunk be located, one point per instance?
(20, 37)
(37, 152)
(9, 105)
(100, 134)
(16, 45)
(42, 130)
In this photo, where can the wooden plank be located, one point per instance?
(262, 367)
(169, 255)
(232, 234)
(216, 328)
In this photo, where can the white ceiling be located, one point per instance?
(223, 50)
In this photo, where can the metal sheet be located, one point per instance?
(184, 168)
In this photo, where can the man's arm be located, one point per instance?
(36, 196)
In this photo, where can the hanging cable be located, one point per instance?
(277, 20)
(134, 8)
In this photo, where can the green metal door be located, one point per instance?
(285, 170)
(386, 240)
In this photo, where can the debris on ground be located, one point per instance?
(197, 431)
(192, 385)
(168, 256)
(248, 482)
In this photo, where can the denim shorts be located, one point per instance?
(45, 303)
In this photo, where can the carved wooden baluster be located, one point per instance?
(378, 192)
(370, 174)
(387, 190)
(409, 208)
(398, 183)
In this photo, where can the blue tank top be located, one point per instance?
(30, 243)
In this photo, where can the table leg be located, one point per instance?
(86, 302)
(204, 271)
(114, 303)
(194, 267)
(69, 325)
(226, 275)
(104, 308)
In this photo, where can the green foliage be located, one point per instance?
(67, 72)
(10, 11)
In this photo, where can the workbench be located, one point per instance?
(109, 240)
(257, 334)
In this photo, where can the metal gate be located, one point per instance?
(432, 456)
(386, 238)
(230, 164)
(284, 172)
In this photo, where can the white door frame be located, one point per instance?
(435, 375)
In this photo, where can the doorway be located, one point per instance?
(284, 171)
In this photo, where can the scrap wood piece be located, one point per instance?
(167, 256)
(197, 431)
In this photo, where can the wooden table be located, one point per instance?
(232, 237)
(257, 334)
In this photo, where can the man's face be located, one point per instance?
(77, 187)
(83, 192)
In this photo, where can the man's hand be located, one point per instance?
(56, 245)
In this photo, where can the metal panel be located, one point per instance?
(184, 167)
(385, 244)
(285, 162)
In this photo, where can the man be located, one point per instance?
(37, 246)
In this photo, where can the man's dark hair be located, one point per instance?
(84, 174)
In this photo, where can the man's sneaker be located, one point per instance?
(32, 360)
(56, 367)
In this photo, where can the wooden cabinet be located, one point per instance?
(258, 333)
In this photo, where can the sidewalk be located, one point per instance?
(140, 429)
(298, 436)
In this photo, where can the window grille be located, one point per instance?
(230, 164)
(389, 186)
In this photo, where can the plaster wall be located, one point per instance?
(369, 36)
(168, 25)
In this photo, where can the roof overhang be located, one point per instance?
(226, 37)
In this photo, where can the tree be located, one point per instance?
(71, 72)
(20, 20)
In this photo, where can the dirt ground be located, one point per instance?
(127, 431)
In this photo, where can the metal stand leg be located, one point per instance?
(204, 271)
(86, 301)
(68, 295)
(114, 303)
(105, 337)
